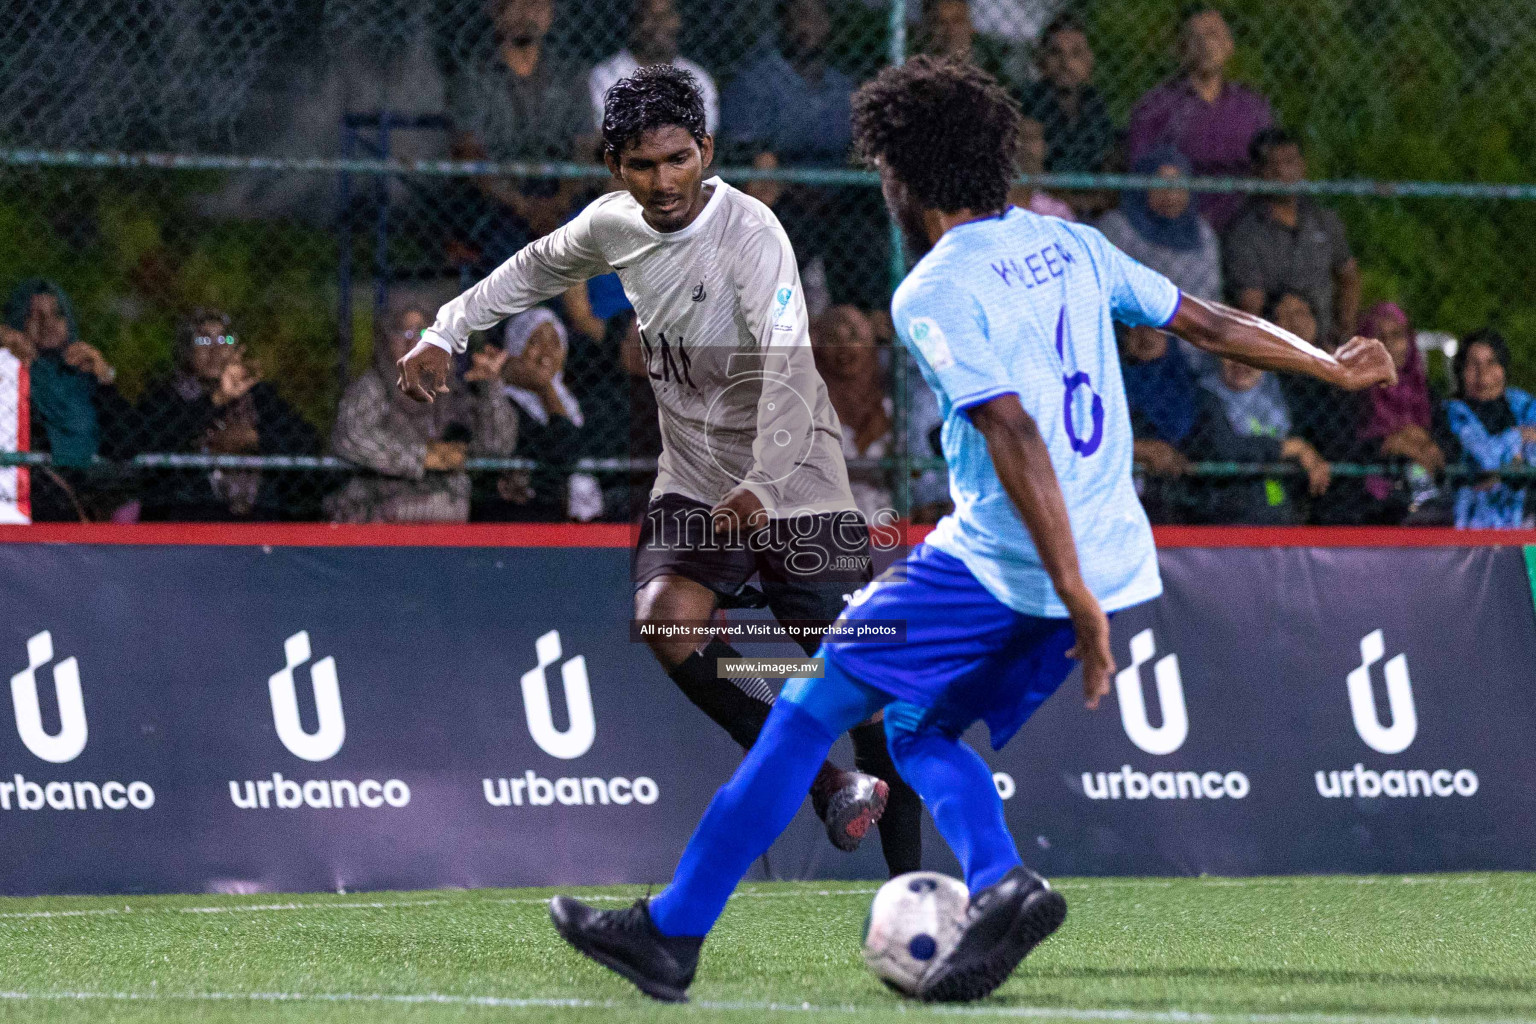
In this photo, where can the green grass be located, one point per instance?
(1290, 949)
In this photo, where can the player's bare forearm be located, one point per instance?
(1023, 465)
(1234, 334)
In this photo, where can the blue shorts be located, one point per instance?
(967, 656)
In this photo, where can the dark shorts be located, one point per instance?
(807, 565)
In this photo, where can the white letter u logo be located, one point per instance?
(1169, 736)
(67, 743)
(1393, 739)
(582, 730)
(328, 737)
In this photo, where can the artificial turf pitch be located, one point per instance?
(1326, 950)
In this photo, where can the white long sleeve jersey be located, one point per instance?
(723, 326)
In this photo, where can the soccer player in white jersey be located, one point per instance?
(1009, 316)
(751, 477)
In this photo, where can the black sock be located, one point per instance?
(739, 706)
(901, 827)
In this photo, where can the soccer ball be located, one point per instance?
(915, 922)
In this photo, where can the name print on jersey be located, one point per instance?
(1036, 269)
(670, 367)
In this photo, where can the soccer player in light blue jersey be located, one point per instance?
(1010, 318)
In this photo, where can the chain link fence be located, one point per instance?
(222, 217)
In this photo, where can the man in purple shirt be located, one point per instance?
(1209, 119)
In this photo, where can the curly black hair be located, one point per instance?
(653, 97)
(947, 130)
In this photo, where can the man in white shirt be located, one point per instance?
(751, 478)
(653, 40)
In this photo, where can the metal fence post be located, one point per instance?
(898, 360)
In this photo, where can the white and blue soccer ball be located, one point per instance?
(915, 923)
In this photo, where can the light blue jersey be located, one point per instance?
(1023, 304)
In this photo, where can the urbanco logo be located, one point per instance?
(69, 741)
(1169, 736)
(577, 738)
(1384, 739)
(328, 736)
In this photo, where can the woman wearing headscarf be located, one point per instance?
(1398, 418)
(1496, 427)
(1244, 418)
(75, 410)
(214, 402)
(550, 423)
(414, 452)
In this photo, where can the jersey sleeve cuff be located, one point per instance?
(432, 339)
(969, 402)
(1177, 303)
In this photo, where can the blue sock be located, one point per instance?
(744, 819)
(957, 786)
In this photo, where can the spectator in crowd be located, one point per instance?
(1244, 418)
(414, 453)
(948, 31)
(215, 403)
(1162, 228)
(1288, 243)
(790, 106)
(1206, 117)
(1398, 422)
(653, 29)
(1329, 420)
(624, 421)
(526, 104)
(1165, 405)
(848, 359)
(1495, 426)
(1078, 132)
(1032, 161)
(75, 412)
(550, 423)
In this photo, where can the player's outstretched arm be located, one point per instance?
(1023, 464)
(1359, 363)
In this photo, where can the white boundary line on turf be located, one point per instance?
(754, 893)
(903, 1009)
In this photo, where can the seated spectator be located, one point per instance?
(1162, 228)
(848, 359)
(1165, 406)
(1244, 418)
(526, 104)
(75, 412)
(550, 423)
(415, 451)
(1203, 115)
(1330, 421)
(1495, 426)
(653, 29)
(215, 403)
(1078, 132)
(948, 31)
(790, 106)
(1032, 161)
(1288, 243)
(1398, 423)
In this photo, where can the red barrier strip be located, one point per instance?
(620, 535)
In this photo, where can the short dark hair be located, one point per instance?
(1482, 336)
(948, 131)
(1066, 21)
(1267, 140)
(653, 97)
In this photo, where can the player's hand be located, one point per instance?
(1363, 363)
(1092, 646)
(424, 372)
(739, 507)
